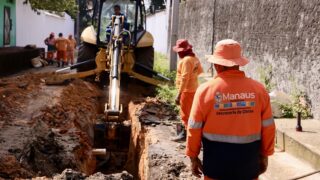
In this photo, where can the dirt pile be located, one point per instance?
(70, 174)
(14, 93)
(46, 129)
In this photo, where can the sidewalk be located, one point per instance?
(298, 152)
(283, 166)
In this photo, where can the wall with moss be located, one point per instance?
(280, 37)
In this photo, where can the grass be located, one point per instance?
(161, 65)
(166, 93)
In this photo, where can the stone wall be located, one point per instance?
(280, 37)
(196, 24)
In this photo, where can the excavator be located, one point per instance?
(114, 44)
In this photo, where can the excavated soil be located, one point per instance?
(46, 129)
(156, 156)
(47, 132)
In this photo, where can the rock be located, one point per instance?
(14, 151)
(152, 110)
(118, 176)
(23, 85)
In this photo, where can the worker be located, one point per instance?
(50, 42)
(61, 45)
(116, 12)
(189, 67)
(231, 117)
(72, 44)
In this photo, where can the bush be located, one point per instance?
(161, 65)
(166, 93)
(299, 105)
(265, 77)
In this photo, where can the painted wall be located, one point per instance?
(12, 6)
(157, 25)
(33, 28)
(280, 37)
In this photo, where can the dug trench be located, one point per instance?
(49, 132)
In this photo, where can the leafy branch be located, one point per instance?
(68, 6)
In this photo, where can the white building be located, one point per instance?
(157, 25)
(33, 28)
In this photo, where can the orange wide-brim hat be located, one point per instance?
(182, 45)
(228, 53)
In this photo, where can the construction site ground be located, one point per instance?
(46, 132)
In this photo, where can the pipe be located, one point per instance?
(99, 152)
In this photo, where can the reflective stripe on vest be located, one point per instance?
(267, 122)
(232, 139)
(192, 124)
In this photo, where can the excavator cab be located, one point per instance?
(134, 20)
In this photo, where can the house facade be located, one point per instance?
(20, 25)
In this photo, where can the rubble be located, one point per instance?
(154, 112)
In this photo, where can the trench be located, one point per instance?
(58, 131)
(124, 141)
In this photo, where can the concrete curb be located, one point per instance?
(297, 149)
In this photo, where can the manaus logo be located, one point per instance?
(233, 96)
(218, 97)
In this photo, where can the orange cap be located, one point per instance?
(227, 52)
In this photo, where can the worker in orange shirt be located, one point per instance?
(189, 67)
(231, 118)
(61, 46)
(70, 50)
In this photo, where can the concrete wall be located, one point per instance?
(280, 35)
(195, 24)
(157, 25)
(11, 5)
(33, 28)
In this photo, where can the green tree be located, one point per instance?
(68, 6)
(85, 11)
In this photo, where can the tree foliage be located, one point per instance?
(85, 12)
(69, 6)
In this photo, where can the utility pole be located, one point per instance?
(173, 35)
(77, 26)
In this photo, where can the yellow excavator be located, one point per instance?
(116, 43)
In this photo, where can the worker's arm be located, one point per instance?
(195, 125)
(200, 69)
(56, 44)
(186, 70)
(268, 127)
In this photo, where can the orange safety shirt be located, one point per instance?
(188, 70)
(72, 44)
(231, 108)
(62, 44)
